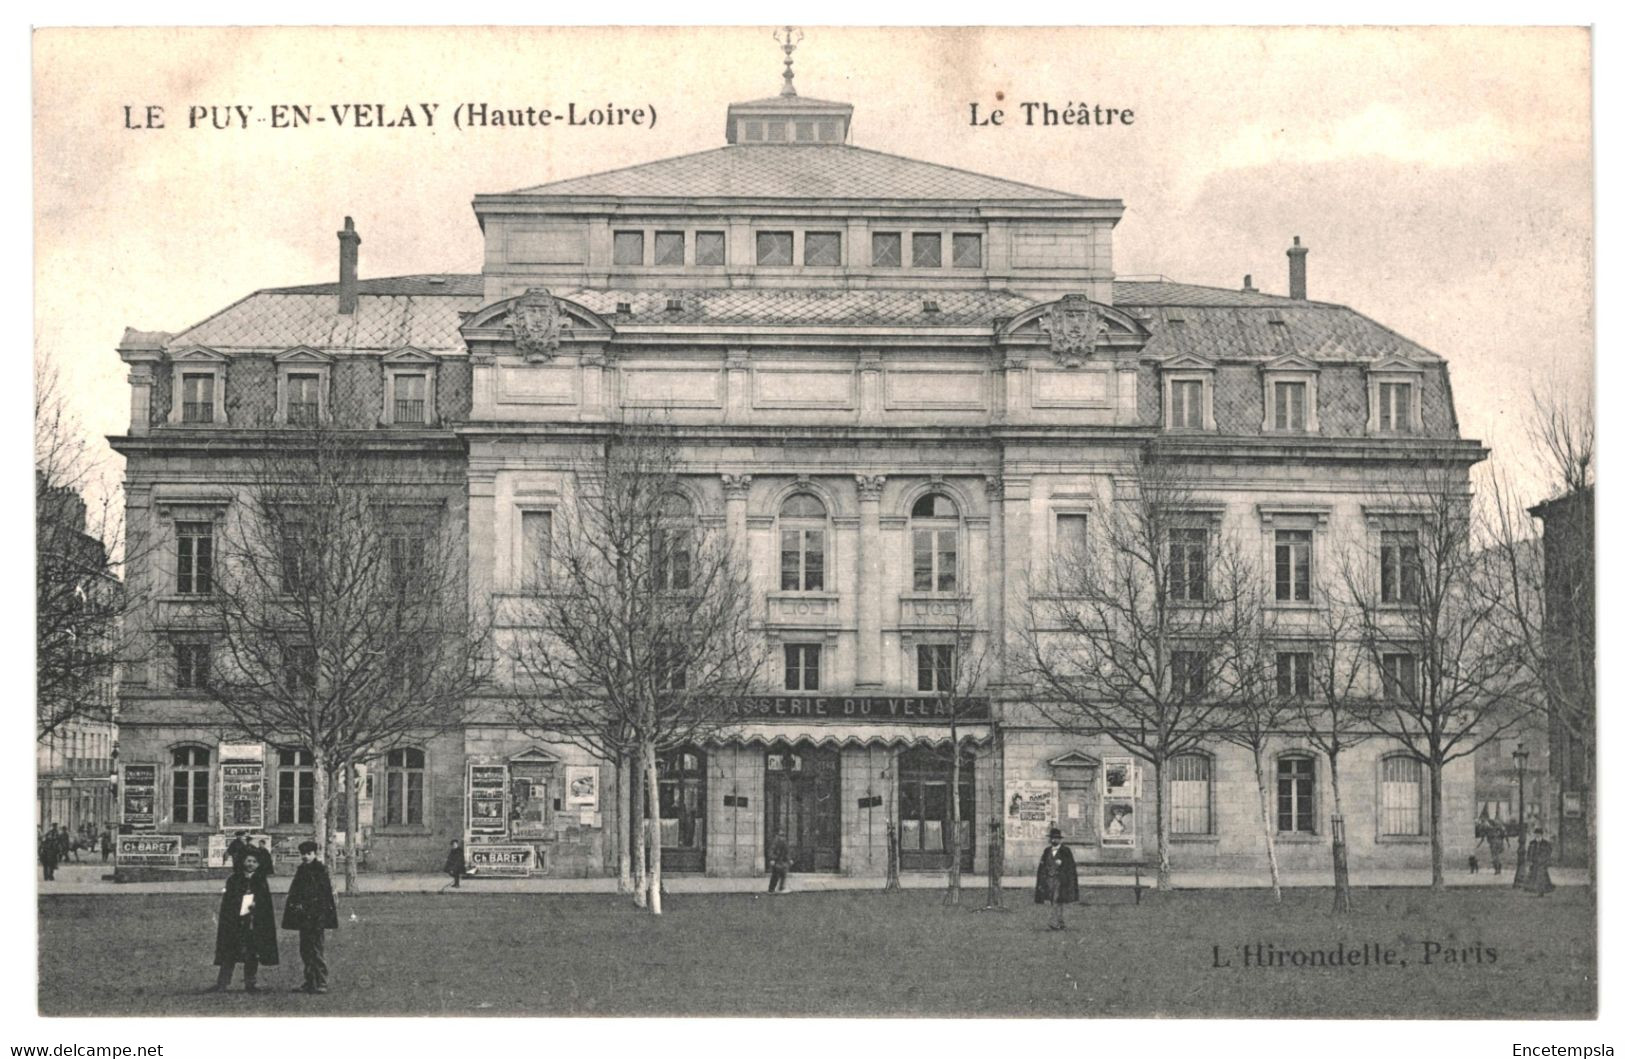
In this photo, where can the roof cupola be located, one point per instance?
(788, 117)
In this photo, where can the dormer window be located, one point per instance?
(1394, 407)
(197, 397)
(1290, 397)
(304, 398)
(302, 387)
(1394, 394)
(409, 396)
(411, 393)
(1187, 394)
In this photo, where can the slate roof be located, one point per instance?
(425, 311)
(798, 171)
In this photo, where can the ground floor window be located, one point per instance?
(1295, 795)
(1190, 790)
(189, 785)
(295, 787)
(403, 787)
(924, 814)
(1401, 792)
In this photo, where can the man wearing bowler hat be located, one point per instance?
(1057, 879)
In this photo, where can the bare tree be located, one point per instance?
(1124, 635)
(79, 555)
(636, 637)
(1562, 432)
(1425, 599)
(338, 596)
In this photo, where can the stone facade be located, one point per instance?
(942, 364)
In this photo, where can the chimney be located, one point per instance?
(349, 241)
(1297, 270)
(1247, 284)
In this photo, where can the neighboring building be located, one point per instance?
(1569, 550)
(897, 383)
(77, 603)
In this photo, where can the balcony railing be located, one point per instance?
(301, 413)
(197, 412)
(408, 411)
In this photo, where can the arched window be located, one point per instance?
(1295, 794)
(1190, 788)
(935, 525)
(1399, 811)
(674, 544)
(403, 787)
(801, 544)
(295, 787)
(189, 785)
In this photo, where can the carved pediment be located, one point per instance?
(537, 322)
(1075, 328)
(1290, 362)
(197, 355)
(409, 355)
(303, 355)
(1188, 362)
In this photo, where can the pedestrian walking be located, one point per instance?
(64, 845)
(1538, 879)
(239, 846)
(1057, 879)
(246, 932)
(49, 853)
(107, 842)
(267, 865)
(456, 866)
(778, 864)
(311, 910)
(1497, 838)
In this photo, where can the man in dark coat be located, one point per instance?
(246, 932)
(1057, 879)
(310, 910)
(778, 863)
(456, 866)
(267, 865)
(49, 853)
(107, 842)
(239, 846)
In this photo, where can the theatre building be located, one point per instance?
(904, 387)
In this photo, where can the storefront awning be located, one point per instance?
(839, 735)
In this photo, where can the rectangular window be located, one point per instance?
(935, 560)
(826, 131)
(1295, 795)
(411, 398)
(1190, 789)
(1186, 397)
(304, 399)
(1290, 405)
(296, 787)
(967, 251)
(934, 667)
(1189, 673)
(822, 249)
(669, 248)
(536, 549)
(1292, 674)
(189, 786)
(191, 665)
(194, 558)
(1071, 543)
(804, 131)
(776, 132)
(299, 668)
(408, 549)
(629, 248)
(673, 559)
(1401, 566)
(801, 560)
(403, 787)
(801, 664)
(710, 248)
(671, 674)
(197, 397)
(1292, 552)
(927, 248)
(298, 557)
(1187, 564)
(1401, 809)
(775, 248)
(1394, 407)
(753, 130)
(1399, 677)
(886, 249)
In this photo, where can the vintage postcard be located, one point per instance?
(993, 523)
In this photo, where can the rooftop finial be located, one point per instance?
(792, 37)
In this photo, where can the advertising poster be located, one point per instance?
(1121, 777)
(488, 799)
(1118, 827)
(501, 861)
(242, 795)
(1029, 808)
(581, 788)
(149, 849)
(140, 795)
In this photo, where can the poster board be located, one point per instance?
(242, 795)
(1029, 808)
(149, 849)
(138, 796)
(581, 788)
(487, 801)
(1118, 823)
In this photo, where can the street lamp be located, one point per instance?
(1520, 758)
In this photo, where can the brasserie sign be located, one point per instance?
(887, 709)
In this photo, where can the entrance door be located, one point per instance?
(682, 810)
(924, 815)
(804, 804)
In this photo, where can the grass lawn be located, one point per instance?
(847, 953)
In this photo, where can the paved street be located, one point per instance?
(1476, 953)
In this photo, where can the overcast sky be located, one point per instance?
(1440, 177)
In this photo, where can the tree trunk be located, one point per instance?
(894, 879)
(1165, 874)
(1342, 899)
(639, 832)
(623, 822)
(952, 896)
(1436, 820)
(995, 864)
(324, 798)
(352, 806)
(651, 781)
(1264, 822)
